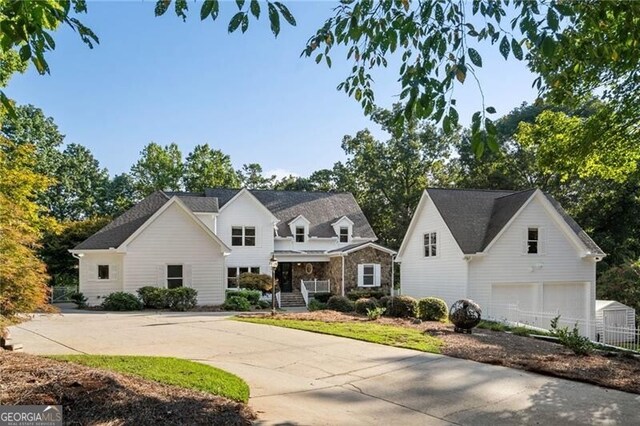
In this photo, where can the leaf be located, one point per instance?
(461, 74)
(206, 9)
(491, 110)
(25, 52)
(516, 49)
(477, 143)
(162, 6)
(505, 47)
(286, 14)
(245, 23)
(318, 58)
(475, 57)
(215, 9)
(255, 8)
(240, 3)
(7, 104)
(328, 59)
(446, 125)
(274, 19)
(552, 19)
(49, 39)
(235, 21)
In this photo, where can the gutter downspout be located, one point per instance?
(393, 275)
(342, 256)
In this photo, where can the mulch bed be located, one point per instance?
(611, 370)
(91, 396)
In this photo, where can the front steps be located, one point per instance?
(292, 300)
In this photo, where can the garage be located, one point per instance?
(507, 298)
(567, 299)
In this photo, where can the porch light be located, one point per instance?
(273, 263)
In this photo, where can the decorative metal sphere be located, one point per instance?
(465, 314)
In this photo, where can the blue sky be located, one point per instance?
(250, 95)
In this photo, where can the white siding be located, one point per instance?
(244, 211)
(94, 289)
(560, 264)
(443, 276)
(173, 239)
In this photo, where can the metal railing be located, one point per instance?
(596, 330)
(310, 287)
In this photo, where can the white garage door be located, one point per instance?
(569, 299)
(505, 297)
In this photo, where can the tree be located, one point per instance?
(159, 168)
(251, 177)
(293, 183)
(23, 276)
(621, 283)
(121, 195)
(61, 266)
(388, 178)
(206, 167)
(80, 187)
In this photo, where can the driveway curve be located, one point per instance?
(297, 377)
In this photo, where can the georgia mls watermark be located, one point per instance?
(30, 415)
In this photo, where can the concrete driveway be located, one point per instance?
(298, 377)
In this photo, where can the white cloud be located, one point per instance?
(280, 173)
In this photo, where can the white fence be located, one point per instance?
(621, 337)
(62, 293)
(311, 287)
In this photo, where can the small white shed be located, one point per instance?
(614, 320)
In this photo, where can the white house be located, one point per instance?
(206, 240)
(502, 249)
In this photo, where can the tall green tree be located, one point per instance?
(252, 177)
(206, 167)
(121, 195)
(80, 189)
(158, 168)
(388, 178)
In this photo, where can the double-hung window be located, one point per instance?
(369, 275)
(344, 234)
(233, 274)
(533, 240)
(430, 244)
(300, 234)
(175, 277)
(243, 236)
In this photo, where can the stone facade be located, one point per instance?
(308, 271)
(351, 262)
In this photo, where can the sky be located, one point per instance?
(250, 95)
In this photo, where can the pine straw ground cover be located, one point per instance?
(92, 396)
(498, 348)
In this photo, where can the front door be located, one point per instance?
(283, 275)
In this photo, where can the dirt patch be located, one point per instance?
(614, 371)
(91, 396)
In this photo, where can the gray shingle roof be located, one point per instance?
(475, 217)
(321, 209)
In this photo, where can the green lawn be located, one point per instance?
(401, 337)
(171, 371)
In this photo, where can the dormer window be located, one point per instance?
(300, 234)
(344, 234)
(533, 241)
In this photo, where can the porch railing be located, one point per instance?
(310, 287)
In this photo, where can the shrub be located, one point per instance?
(402, 307)
(252, 296)
(383, 301)
(259, 282)
(153, 297)
(182, 298)
(121, 301)
(375, 313)
(79, 299)
(340, 304)
(365, 294)
(264, 304)
(236, 303)
(492, 325)
(316, 305)
(322, 297)
(432, 309)
(364, 304)
(580, 345)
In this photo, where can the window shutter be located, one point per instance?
(114, 272)
(525, 238)
(376, 277)
(360, 275)
(542, 240)
(161, 279)
(187, 271)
